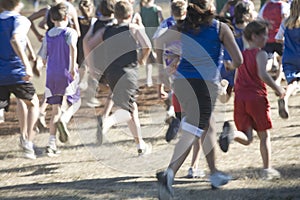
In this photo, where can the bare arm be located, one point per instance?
(160, 15)
(226, 36)
(33, 17)
(74, 66)
(143, 40)
(31, 52)
(74, 17)
(16, 45)
(261, 60)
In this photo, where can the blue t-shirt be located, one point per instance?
(11, 67)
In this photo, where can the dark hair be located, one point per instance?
(9, 4)
(256, 27)
(241, 9)
(85, 7)
(198, 13)
(106, 7)
(58, 12)
(178, 8)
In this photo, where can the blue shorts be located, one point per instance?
(291, 72)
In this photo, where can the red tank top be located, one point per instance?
(272, 13)
(248, 84)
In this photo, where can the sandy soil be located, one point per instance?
(114, 171)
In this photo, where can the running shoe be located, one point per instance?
(226, 136)
(173, 129)
(146, 150)
(165, 181)
(270, 174)
(219, 179)
(195, 173)
(63, 131)
(52, 151)
(283, 109)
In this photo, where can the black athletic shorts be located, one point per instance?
(24, 91)
(197, 98)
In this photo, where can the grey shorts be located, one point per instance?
(124, 85)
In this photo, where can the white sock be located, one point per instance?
(29, 144)
(141, 145)
(52, 141)
(67, 115)
(119, 116)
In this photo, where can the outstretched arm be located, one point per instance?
(39, 14)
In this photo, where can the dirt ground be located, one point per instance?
(85, 170)
(114, 171)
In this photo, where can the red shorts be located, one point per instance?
(253, 113)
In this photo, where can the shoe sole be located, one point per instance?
(224, 137)
(281, 109)
(163, 190)
(63, 132)
(172, 130)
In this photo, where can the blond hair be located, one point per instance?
(293, 21)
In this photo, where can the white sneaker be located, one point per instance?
(146, 150)
(165, 182)
(197, 173)
(2, 119)
(270, 174)
(29, 151)
(93, 102)
(218, 179)
(22, 142)
(52, 151)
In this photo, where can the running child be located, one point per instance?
(251, 105)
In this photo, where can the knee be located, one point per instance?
(34, 102)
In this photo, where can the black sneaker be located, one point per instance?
(165, 181)
(99, 133)
(283, 109)
(226, 136)
(63, 131)
(173, 129)
(52, 152)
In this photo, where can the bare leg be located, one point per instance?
(108, 106)
(244, 138)
(56, 113)
(135, 126)
(208, 142)
(22, 114)
(196, 154)
(33, 113)
(265, 148)
(182, 149)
